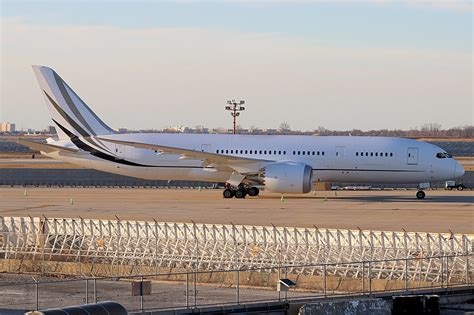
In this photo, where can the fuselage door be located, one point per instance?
(412, 156)
(120, 151)
(340, 152)
(206, 148)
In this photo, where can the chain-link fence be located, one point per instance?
(222, 287)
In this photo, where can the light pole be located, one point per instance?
(235, 108)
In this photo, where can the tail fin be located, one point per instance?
(71, 115)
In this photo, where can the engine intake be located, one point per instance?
(291, 178)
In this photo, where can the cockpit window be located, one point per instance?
(443, 155)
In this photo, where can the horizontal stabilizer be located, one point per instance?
(45, 147)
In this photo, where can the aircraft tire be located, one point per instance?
(228, 193)
(420, 194)
(253, 191)
(240, 193)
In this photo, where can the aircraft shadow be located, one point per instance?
(381, 198)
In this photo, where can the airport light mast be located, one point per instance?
(235, 108)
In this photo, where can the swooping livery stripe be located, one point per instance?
(71, 121)
(80, 144)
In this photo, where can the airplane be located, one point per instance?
(246, 163)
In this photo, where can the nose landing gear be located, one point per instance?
(420, 194)
(240, 192)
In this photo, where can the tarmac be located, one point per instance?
(393, 210)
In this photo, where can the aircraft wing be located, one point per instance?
(240, 164)
(45, 147)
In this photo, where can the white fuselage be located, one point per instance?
(333, 159)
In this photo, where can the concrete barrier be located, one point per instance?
(353, 307)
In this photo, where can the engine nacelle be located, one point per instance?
(293, 178)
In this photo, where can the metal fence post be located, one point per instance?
(363, 277)
(37, 294)
(141, 294)
(87, 291)
(325, 280)
(187, 290)
(370, 278)
(238, 286)
(442, 271)
(195, 290)
(467, 269)
(447, 272)
(406, 274)
(279, 277)
(95, 290)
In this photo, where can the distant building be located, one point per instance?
(7, 127)
(51, 130)
(121, 130)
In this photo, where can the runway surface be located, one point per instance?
(441, 211)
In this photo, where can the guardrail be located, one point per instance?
(194, 289)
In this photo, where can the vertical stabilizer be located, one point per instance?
(69, 112)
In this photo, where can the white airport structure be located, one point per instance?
(282, 164)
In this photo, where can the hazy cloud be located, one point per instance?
(156, 77)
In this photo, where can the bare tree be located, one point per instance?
(284, 127)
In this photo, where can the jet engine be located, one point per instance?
(288, 177)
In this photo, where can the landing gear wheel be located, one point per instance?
(228, 193)
(460, 187)
(240, 193)
(420, 194)
(253, 191)
(449, 188)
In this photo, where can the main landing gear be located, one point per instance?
(240, 192)
(420, 194)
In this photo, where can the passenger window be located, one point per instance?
(391, 154)
(386, 154)
(299, 152)
(303, 153)
(279, 152)
(371, 153)
(317, 153)
(294, 152)
(322, 153)
(270, 152)
(376, 154)
(284, 152)
(357, 153)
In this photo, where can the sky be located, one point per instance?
(151, 64)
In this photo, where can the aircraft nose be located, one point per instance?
(458, 170)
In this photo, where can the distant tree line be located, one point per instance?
(427, 130)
